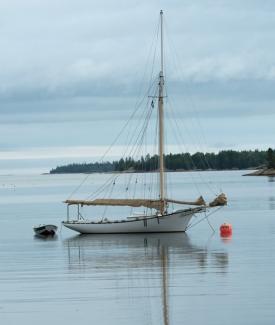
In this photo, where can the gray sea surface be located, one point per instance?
(192, 278)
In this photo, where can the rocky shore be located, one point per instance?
(262, 172)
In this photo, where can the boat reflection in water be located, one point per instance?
(160, 262)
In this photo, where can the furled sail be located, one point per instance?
(220, 200)
(199, 201)
(151, 204)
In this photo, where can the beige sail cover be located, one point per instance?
(220, 200)
(199, 201)
(151, 204)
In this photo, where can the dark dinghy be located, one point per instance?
(45, 230)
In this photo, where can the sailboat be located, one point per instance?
(160, 218)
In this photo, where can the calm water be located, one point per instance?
(195, 278)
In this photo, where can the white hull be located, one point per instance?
(174, 222)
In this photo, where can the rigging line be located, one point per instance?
(106, 206)
(205, 217)
(177, 69)
(189, 162)
(142, 130)
(144, 127)
(136, 141)
(131, 116)
(135, 187)
(151, 84)
(140, 160)
(177, 128)
(139, 144)
(201, 159)
(140, 140)
(166, 175)
(107, 183)
(201, 135)
(154, 41)
(104, 155)
(173, 104)
(101, 189)
(78, 187)
(147, 92)
(192, 161)
(112, 144)
(177, 137)
(195, 167)
(153, 165)
(210, 225)
(155, 50)
(126, 124)
(101, 159)
(136, 148)
(200, 175)
(156, 188)
(169, 189)
(125, 156)
(144, 168)
(145, 112)
(158, 162)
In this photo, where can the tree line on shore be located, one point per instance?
(224, 160)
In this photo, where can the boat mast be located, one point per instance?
(161, 124)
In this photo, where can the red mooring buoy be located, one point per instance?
(226, 230)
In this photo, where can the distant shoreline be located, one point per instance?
(147, 172)
(199, 161)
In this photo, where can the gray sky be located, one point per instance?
(71, 73)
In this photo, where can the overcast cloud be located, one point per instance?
(71, 70)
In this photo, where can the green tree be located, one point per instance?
(270, 158)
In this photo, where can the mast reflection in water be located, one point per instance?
(149, 267)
